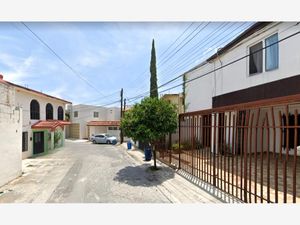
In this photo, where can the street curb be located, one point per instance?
(197, 189)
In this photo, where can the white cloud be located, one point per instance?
(59, 92)
(17, 67)
(92, 59)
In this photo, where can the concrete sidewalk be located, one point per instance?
(183, 187)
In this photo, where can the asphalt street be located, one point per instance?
(82, 172)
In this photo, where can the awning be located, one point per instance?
(50, 124)
(104, 123)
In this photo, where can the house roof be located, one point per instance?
(104, 123)
(252, 29)
(50, 124)
(31, 90)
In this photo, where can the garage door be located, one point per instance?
(74, 130)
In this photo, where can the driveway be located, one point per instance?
(82, 172)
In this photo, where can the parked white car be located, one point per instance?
(104, 139)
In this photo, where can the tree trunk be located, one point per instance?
(154, 155)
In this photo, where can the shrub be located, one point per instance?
(57, 137)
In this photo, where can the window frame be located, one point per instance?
(265, 56)
(75, 112)
(35, 110)
(96, 113)
(25, 141)
(60, 113)
(49, 111)
(263, 39)
(262, 58)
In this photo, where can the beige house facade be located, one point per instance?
(87, 120)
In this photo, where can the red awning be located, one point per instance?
(50, 124)
(103, 123)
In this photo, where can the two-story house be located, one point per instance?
(43, 120)
(261, 66)
(268, 73)
(240, 131)
(88, 120)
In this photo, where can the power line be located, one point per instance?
(194, 48)
(186, 62)
(174, 79)
(177, 39)
(62, 60)
(101, 105)
(97, 99)
(168, 48)
(167, 59)
(228, 64)
(172, 53)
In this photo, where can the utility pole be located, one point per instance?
(121, 116)
(124, 106)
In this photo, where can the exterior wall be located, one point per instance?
(199, 93)
(176, 99)
(235, 77)
(97, 130)
(23, 99)
(10, 136)
(86, 114)
(103, 129)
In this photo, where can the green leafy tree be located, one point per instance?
(153, 78)
(149, 121)
(57, 137)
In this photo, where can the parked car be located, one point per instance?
(104, 139)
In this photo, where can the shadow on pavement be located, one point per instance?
(143, 175)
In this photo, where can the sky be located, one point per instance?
(103, 57)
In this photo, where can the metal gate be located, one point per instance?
(249, 151)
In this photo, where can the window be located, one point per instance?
(24, 141)
(34, 110)
(75, 113)
(96, 114)
(60, 113)
(256, 58)
(271, 55)
(49, 112)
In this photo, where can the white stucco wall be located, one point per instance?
(199, 92)
(86, 114)
(235, 77)
(23, 99)
(10, 136)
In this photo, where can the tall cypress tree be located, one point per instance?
(153, 78)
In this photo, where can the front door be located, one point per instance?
(38, 142)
